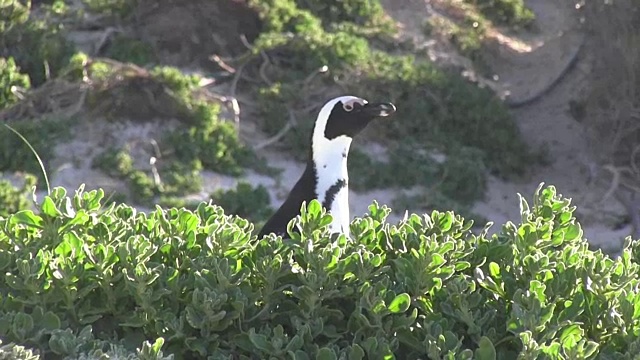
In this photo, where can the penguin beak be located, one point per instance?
(378, 109)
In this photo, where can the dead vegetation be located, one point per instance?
(99, 87)
(610, 108)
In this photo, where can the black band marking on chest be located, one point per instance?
(332, 192)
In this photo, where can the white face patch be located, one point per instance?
(323, 117)
(349, 105)
(330, 158)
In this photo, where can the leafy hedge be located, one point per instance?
(83, 281)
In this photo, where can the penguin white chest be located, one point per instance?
(340, 212)
(332, 186)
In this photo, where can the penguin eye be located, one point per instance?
(348, 106)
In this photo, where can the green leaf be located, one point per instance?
(524, 208)
(376, 260)
(356, 352)
(188, 221)
(436, 260)
(259, 341)
(5, 259)
(62, 342)
(571, 336)
(80, 217)
(400, 304)
(590, 349)
(295, 343)
(370, 345)
(326, 354)
(574, 231)
(314, 209)
(554, 350)
(157, 345)
(27, 217)
(49, 208)
(445, 221)
(22, 325)
(494, 270)
(51, 321)
(325, 220)
(573, 308)
(300, 355)
(486, 350)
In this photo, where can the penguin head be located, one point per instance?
(346, 116)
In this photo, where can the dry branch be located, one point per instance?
(613, 100)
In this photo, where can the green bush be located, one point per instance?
(460, 176)
(364, 13)
(10, 78)
(446, 111)
(42, 134)
(506, 12)
(114, 162)
(81, 279)
(251, 203)
(14, 13)
(15, 352)
(175, 178)
(38, 46)
(208, 138)
(434, 199)
(114, 8)
(14, 199)
(126, 49)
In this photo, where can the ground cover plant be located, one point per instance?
(83, 281)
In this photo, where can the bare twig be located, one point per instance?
(634, 158)
(631, 204)
(156, 148)
(263, 71)
(245, 42)
(285, 129)
(216, 59)
(106, 35)
(615, 182)
(156, 174)
(47, 71)
(236, 78)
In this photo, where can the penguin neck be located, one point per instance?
(329, 159)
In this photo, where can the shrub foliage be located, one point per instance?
(37, 44)
(11, 80)
(83, 281)
(14, 199)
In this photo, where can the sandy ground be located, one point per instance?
(523, 66)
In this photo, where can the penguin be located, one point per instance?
(325, 177)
